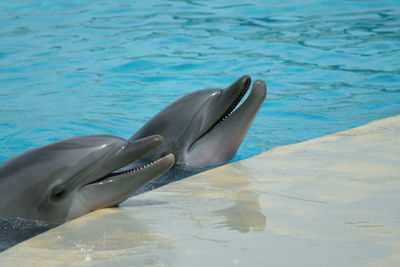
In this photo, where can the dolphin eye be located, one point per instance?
(58, 193)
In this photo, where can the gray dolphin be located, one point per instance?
(74, 176)
(206, 127)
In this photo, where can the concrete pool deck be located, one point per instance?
(330, 201)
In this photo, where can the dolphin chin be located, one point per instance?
(205, 128)
(72, 177)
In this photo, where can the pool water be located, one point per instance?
(72, 68)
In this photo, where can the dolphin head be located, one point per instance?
(206, 127)
(72, 177)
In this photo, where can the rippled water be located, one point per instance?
(105, 67)
(86, 67)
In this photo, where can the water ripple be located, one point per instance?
(83, 67)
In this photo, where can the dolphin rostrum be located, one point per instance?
(74, 176)
(206, 127)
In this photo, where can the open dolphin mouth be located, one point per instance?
(117, 173)
(242, 92)
(125, 171)
(233, 106)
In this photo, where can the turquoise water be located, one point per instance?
(91, 67)
(105, 67)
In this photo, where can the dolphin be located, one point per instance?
(206, 127)
(69, 178)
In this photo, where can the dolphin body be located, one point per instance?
(64, 180)
(204, 128)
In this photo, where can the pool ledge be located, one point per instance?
(330, 201)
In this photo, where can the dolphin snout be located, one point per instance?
(259, 89)
(139, 147)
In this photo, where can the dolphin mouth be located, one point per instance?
(118, 186)
(231, 108)
(235, 104)
(124, 172)
(220, 142)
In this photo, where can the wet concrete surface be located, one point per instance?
(331, 201)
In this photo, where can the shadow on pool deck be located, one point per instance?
(331, 201)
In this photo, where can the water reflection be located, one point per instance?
(246, 214)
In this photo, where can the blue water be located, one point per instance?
(72, 68)
(105, 67)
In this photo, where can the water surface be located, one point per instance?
(72, 68)
(83, 67)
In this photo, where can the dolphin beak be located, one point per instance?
(112, 191)
(221, 142)
(240, 83)
(236, 90)
(131, 151)
(136, 149)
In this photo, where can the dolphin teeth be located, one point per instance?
(234, 104)
(130, 171)
(144, 166)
